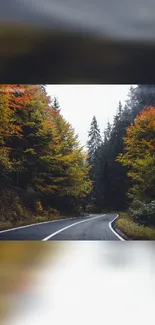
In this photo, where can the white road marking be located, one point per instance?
(111, 228)
(74, 224)
(33, 224)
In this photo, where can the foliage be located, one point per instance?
(95, 139)
(110, 177)
(40, 219)
(5, 225)
(133, 230)
(41, 157)
(139, 155)
(7, 128)
(53, 211)
(145, 213)
(12, 208)
(93, 144)
(39, 207)
(39, 152)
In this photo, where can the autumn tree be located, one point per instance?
(64, 172)
(8, 127)
(45, 155)
(27, 103)
(139, 155)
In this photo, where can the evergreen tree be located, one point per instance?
(95, 139)
(139, 97)
(93, 145)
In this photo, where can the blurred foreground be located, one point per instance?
(67, 41)
(78, 282)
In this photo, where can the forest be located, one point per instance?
(123, 160)
(45, 172)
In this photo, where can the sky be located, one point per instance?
(79, 103)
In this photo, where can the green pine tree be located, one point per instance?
(94, 139)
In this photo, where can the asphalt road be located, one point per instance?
(93, 227)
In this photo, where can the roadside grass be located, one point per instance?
(4, 225)
(133, 230)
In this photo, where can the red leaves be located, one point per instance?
(20, 96)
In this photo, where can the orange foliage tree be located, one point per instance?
(8, 126)
(41, 147)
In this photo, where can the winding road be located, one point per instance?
(92, 227)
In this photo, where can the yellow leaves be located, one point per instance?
(30, 151)
(140, 138)
(38, 207)
(139, 153)
(47, 189)
(4, 158)
(48, 148)
(16, 130)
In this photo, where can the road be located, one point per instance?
(92, 227)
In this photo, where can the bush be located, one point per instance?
(15, 216)
(38, 207)
(40, 219)
(19, 210)
(53, 211)
(13, 208)
(46, 214)
(90, 208)
(26, 214)
(145, 213)
(5, 225)
(22, 223)
(133, 230)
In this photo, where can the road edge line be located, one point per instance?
(33, 224)
(112, 229)
(37, 223)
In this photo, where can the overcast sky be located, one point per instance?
(80, 102)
